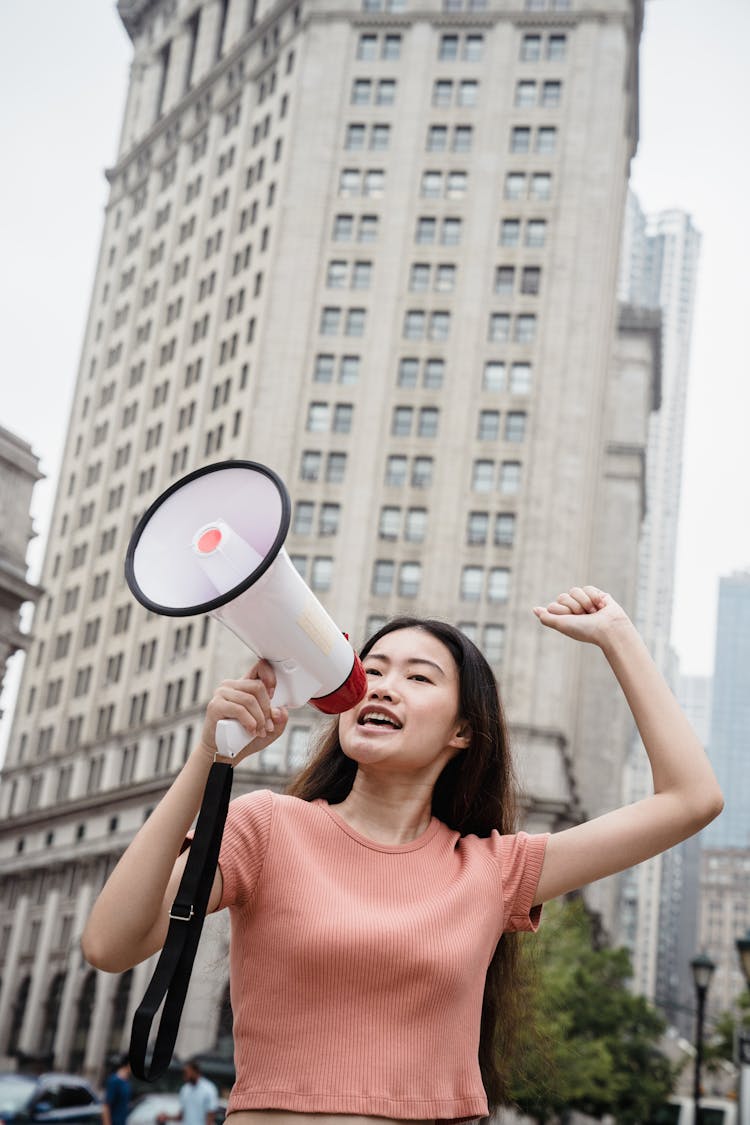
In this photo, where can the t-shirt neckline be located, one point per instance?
(412, 846)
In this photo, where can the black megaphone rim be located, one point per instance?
(221, 599)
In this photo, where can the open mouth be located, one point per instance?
(379, 720)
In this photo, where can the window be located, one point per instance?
(437, 138)
(546, 139)
(473, 48)
(342, 417)
(310, 464)
(497, 584)
(520, 139)
(303, 517)
(374, 183)
(451, 232)
(386, 92)
(448, 48)
(515, 425)
(530, 280)
(510, 477)
(520, 378)
(425, 230)
(349, 369)
(462, 136)
(556, 45)
(440, 323)
(515, 185)
(343, 228)
(349, 182)
(471, 583)
(525, 94)
(432, 185)
(409, 578)
(445, 278)
(390, 523)
(367, 47)
(299, 562)
(421, 472)
(408, 369)
(336, 275)
(428, 421)
(382, 577)
(355, 322)
(531, 48)
(505, 529)
(551, 94)
(541, 186)
(510, 232)
(330, 321)
(414, 324)
(419, 277)
(493, 376)
(355, 138)
(482, 475)
(442, 93)
(525, 328)
(402, 421)
(468, 93)
(536, 232)
(499, 330)
(455, 185)
(361, 91)
(320, 573)
(323, 370)
(391, 48)
(489, 425)
(317, 417)
(380, 137)
(335, 468)
(476, 528)
(395, 470)
(415, 527)
(504, 280)
(493, 643)
(367, 230)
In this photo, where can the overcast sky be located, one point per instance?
(65, 70)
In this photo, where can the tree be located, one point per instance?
(587, 1043)
(721, 1044)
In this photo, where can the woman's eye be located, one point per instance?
(372, 672)
(421, 679)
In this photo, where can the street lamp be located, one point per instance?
(743, 1038)
(702, 968)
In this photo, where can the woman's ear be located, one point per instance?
(462, 737)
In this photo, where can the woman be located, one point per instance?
(367, 970)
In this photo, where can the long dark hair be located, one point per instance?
(474, 794)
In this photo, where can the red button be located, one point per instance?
(209, 541)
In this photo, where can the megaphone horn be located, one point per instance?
(213, 543)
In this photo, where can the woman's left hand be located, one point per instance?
(584, 613)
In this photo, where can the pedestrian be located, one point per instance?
(373, 906)
(199, 1098)
(117, 1094)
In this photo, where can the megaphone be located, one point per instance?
(213, 543)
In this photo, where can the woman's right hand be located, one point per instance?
(249, 702)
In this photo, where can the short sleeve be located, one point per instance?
(244, 845)
(521, 857)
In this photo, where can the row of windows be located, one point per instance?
(329, 516)
(367, 91)
(542, 139)
(468, 47)
(321, 418)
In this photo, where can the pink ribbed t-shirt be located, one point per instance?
(358, 968)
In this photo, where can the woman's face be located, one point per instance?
(409, 719)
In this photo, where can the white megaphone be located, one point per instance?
(213, 543)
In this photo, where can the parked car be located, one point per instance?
(48, 1099)
(147, 1109)
(681, 1111)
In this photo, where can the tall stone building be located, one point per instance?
(658, 270)
(374, 247)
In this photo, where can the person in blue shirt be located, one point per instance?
(117, 1094)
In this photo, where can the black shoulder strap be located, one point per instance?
(172, 973)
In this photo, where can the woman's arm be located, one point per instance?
(130, 918)
(686, 793)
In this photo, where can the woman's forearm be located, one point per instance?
(131, 901)
(679, 763)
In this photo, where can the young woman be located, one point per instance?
(373, 906)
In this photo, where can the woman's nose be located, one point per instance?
(382, 689)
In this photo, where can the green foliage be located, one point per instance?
(720, 1045)
(587, 1043)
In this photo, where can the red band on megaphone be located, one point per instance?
(351, 692)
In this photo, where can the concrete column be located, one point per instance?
(205, 48)
(32, 1020)
(76, 968)
(93, 1062)
(11, 977)
(237, 22)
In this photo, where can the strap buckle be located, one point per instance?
(186, 914)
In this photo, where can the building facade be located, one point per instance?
(724, 917)
(658, 270)
(376, 248)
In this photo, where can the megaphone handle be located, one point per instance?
(231, 736)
